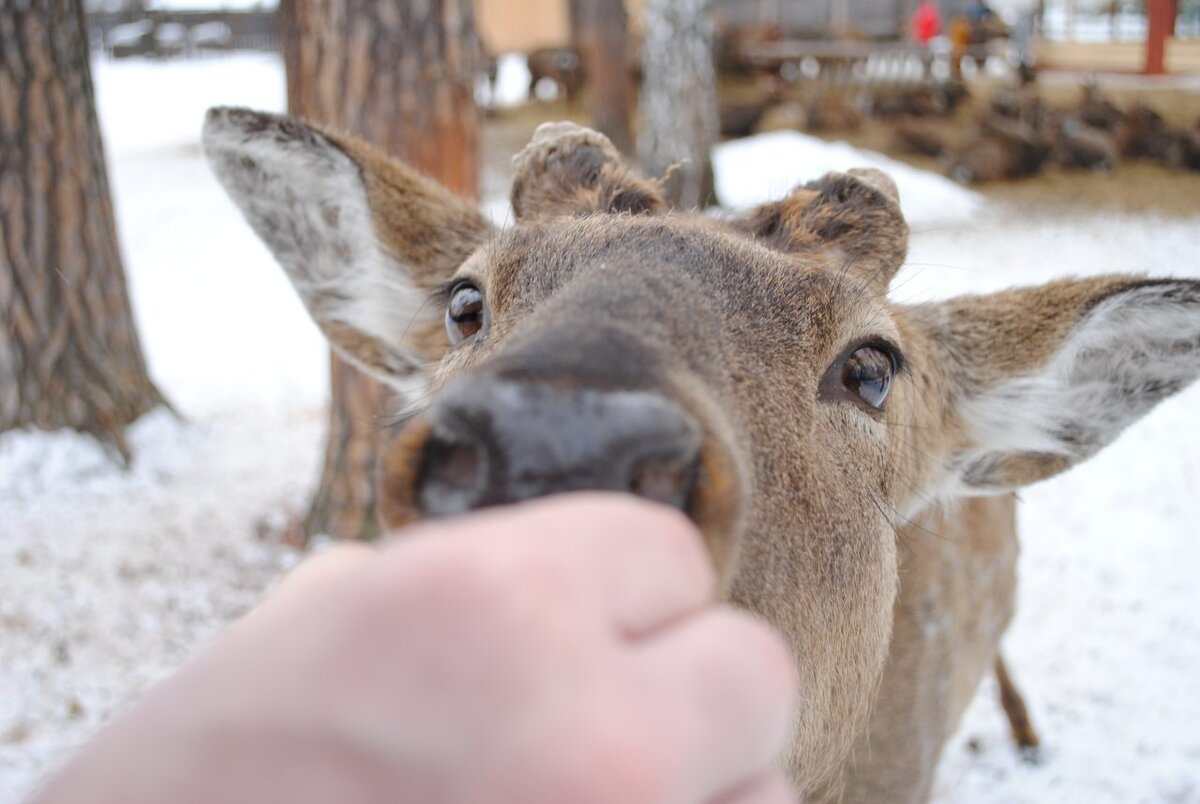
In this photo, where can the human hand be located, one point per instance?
(557, 651)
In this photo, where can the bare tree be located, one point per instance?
(600, 29)
(69, 350)
(679, 99)
(400, 75)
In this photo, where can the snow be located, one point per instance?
(219, 321)
(110, 578)
(130, 33)
(767, 166)
(512, 83)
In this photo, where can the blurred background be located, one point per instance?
(174, 433)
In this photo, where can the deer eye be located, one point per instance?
(464, 314)
(863, 375)
(868, 373)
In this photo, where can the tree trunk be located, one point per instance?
(69, 350)
(402, 76)
(679, 99)
(600, 29)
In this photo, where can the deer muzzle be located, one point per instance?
(492, 441)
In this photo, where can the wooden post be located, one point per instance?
(1158, 13)
(602, 31)
(679, 100)
(839, 19)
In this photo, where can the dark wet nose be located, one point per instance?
(494, 441)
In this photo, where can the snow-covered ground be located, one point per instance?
(110, 579)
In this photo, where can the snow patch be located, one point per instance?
(147, 105)
(766, 167)
(512, 80)
(34, 462)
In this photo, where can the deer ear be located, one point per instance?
(1044, 378)
(362, 237)
(852, 220)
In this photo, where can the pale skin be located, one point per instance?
(562, 650)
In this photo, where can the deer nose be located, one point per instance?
(494, 441)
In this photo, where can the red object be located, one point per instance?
(926, 22)
(1161, 20)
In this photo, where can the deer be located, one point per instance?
(849, 462)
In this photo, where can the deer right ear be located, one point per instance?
(1043, 378)
(362, 237)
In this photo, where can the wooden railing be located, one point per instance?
(846, 64)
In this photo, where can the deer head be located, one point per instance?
(750, 371)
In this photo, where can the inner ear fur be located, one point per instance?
(569, 170)
(1043, 378)
(361, 236)
(427, 228)
(852, 220)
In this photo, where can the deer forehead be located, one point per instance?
(679, 267)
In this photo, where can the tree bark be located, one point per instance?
(679, 99)
(400, 75)
(601, 32)
(69, 350)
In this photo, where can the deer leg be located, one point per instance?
(1024, 735)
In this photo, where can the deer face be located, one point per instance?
(750, 372)
(658, 355)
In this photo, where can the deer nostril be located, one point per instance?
(457, 465)
(492, 442)
(452, 476)
(666, 480)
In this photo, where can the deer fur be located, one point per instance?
(881, 544)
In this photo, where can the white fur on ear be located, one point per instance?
(305, 198)
(1128, 353)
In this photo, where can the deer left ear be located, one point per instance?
(852, 220)
(1044, 378)
(361, 236)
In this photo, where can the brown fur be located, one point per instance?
(958, 570)
(1023, 732)
(851, 220)
(1004, 149)
(561, 65)
(413, 214)
(835, 522)
(915, 136)
(570, 170)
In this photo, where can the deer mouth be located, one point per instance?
(523, 443)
